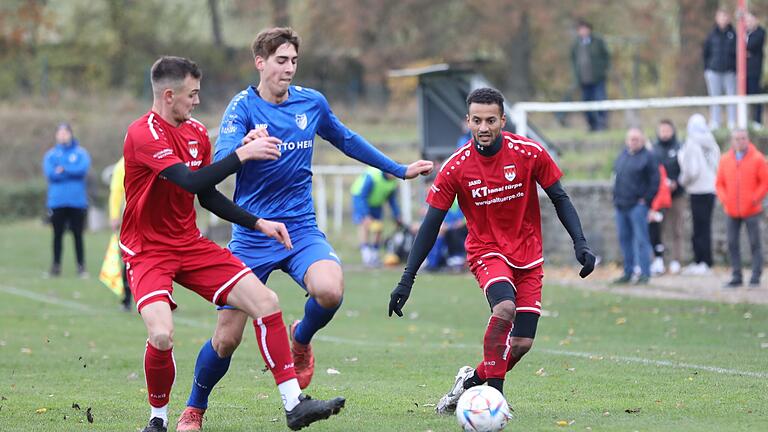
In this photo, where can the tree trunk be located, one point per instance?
(280, 16)
(695, 20)
(518, 77)
(218, 38)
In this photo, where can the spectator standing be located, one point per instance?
(66, 167)
(636, 183)
(698, 161)
(591, 61)
(755, 44)
(742, 182)
(661, 202)
(720, 66)
(666, 149)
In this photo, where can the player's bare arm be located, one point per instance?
(425, 239)
(568, 216)
(275, 230)
(420, 167)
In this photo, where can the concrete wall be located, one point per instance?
(593, 201)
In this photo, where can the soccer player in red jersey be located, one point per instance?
(167, 162)
(494, 178)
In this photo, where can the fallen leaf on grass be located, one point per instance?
(26, 350)
(632, 410)
(621, 320)
(132, 376)
(606, 413)
(75, 406)
(541, 372)
(274, 420)
(428, 405)
(350, 359)
(41, 410)
(332, 371)
(764, 345)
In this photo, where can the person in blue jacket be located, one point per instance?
(65, 167)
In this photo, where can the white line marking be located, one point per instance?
(475, 347)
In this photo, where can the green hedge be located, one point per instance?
(22, 200)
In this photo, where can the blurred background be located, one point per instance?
(87, 62)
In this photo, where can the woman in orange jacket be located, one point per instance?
(662, 201)
(741, 185)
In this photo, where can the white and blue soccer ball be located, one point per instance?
(482, 409)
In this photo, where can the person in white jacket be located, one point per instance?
(698, 160)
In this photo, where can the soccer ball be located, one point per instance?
(482, 409)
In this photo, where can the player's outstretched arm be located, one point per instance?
(260, 148)
(568, 216)
(423, 243)
(215, 202)
(420, 167)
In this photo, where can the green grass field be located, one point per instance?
(601, 361)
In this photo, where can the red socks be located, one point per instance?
(495, 349)
(160, 372)
(273, 344)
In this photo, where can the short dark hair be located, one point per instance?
(170, 69)
(584, 23)
(667, 122)
(269, 40)
(486, 96)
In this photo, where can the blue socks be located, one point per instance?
(315, 318)
(209, 369)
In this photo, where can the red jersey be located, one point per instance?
(158, 213)
(498, 197)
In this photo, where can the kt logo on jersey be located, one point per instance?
(193, 149)
(509, 172)
(301, 121)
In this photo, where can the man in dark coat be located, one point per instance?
(637, 180)
(720, 66)
(755, 44)
(591, 61)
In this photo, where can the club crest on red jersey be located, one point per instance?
(193, 148)
(509, 172)
(301, 121)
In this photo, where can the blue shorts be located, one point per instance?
(360, 210)
(309, 246)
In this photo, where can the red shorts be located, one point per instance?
(527, 282)
(205, 268)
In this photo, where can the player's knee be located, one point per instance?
(225, 344)
(329, 296)
(269, 301)
(161, 339)
(519, 348)
(505, 310)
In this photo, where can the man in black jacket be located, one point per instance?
(665, 149)
(720, 66)
(637, 180)
(755, 43)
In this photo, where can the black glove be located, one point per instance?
(586, 258)
(401, 293)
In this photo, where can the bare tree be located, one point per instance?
(218, 38)
(695, 19)
(280, 15)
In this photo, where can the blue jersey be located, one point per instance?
(281, 190)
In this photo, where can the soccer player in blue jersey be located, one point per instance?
(281, 190)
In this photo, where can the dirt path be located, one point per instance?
(708, 288)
